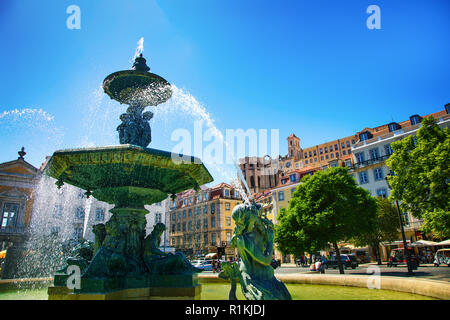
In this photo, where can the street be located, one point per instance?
(427, 271)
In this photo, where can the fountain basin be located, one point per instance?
(127, 173)
(133, 86)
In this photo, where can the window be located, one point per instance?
(99, 214)
(190, 200)
(185, 201)
(179, 215)
(353, 141)
(348, 163)
(158, 218)
(292, 178)
(280, 195)
(80, 195)
(292, 190)
(228, 237)
(343, 152)
(206, 196)
(213, 222)
(335, 147)
(348, 144)
(388, 149)
(173, 228)
(184, 213)
(359, 157)
(227, 192)
(326, 149)
(306, 161)
(205, 209)
(288, 164)
(57, 211)
(213, 208)
(190, 213)
(363, 177)
(337, 154)
(184, 226)
(321, 158)
(310, 154)
(199, 210)
(173, 241)
(343, 145)
(80, 213)
(378, 174)
(315, 153)
(332, 156)
(78, 233)
(349, 151)
(393, 126)
(227, 206)
(205, 223)
(326, 157)
(178, 227)
(228, 221)
(373, 154)
(10, 212)
(382, 193)
(315, 159)
(190, 226)
(321, 152)
(213, 238)
(198, 224)
(199, 197)
(205, 238)
(306, 155)
(331, 148)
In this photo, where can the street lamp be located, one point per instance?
(405, 245)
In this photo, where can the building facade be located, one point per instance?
(18, 180)
(201, 222)
(370, 153)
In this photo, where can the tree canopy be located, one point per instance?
(327, 207)
(385, 227)
(421, 165)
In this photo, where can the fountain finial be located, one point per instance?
(140, 64)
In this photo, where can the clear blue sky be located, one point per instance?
(308, 67)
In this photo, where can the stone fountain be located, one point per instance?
(126, 264)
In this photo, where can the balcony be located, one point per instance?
(12, 231)
(370, 162)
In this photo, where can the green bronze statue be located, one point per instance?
(253, 237)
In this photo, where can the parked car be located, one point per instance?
(348, 261)
(442, 256)
(205, 265)
(398, 257)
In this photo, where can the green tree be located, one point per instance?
(421, 165)
(385, 227)
(327, 207)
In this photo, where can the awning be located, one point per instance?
(423, 243)
(443, 243)
(211, 255)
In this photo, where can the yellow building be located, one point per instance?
(201, 222)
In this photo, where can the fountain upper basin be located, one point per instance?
(127, 173)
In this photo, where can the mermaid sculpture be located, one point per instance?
(253, 237)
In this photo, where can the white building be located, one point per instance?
(374, 148)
